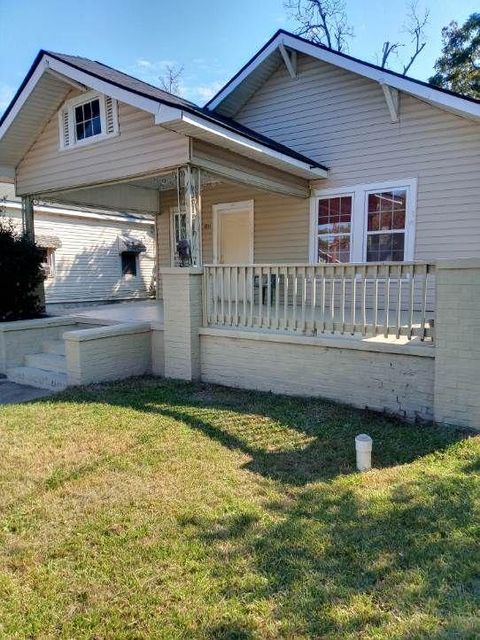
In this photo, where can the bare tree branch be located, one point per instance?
(325, 22)
(387, 49)
(321, 21)
(416, 29)
(170, 80)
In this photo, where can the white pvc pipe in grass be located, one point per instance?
(363, 448)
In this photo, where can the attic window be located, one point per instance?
(87, 118)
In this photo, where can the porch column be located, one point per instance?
(189, 200)
(457, 343)
(27, 217)
(182, 300)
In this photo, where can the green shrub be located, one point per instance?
(21, 274)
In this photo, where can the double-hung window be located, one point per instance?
(87, 118)
(365, 223)
(334, 229)
(386, 218)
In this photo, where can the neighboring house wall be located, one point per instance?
(341, 120)
(140, 147)
(88, 263)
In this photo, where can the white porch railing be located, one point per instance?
(389, 299)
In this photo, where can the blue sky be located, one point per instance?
(212, 39)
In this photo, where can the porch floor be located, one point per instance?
(153, 311)
(146, 311)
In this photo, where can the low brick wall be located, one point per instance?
(108, 353)
(398, 379)
(17, 339)
(158, 350)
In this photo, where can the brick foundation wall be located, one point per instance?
(374, 379)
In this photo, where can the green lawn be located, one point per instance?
(155, 509)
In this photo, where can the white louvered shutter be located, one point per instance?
(65, 133)
(110, 115)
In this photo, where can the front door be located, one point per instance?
(235, 233)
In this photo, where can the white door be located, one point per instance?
(234, 240)
(234, 236)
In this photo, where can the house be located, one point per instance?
(317, 222)
(92, 257)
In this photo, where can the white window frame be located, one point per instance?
(359, 226)
(70, 105)
(224, 208)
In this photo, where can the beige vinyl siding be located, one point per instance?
(88, 264)
(141, 147)
(341, 120)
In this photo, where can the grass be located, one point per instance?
(154, 509)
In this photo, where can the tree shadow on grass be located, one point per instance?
(338, 565)
(290, 439)
(336, 555)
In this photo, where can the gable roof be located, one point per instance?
(230, 98)
(169, 110)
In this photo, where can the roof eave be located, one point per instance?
(465, 106)
(173, 118)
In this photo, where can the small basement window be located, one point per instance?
(48, 262)
(87, 118)
(129, 263)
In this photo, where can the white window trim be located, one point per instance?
(358, 238)
(70, 105)
(232, 207)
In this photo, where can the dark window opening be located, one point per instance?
(129, 263)
(87, 120)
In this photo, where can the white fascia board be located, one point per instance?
(166, 114)
(47, 63)
(198, 122)
(75, 213)
(22, 98)
(430, 94)
(246, 72)
(103, 86)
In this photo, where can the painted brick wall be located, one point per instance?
(182, 294)
(400, 384)
(457, 328)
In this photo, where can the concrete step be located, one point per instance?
(40, 378)
(56, 347)
(46, 361)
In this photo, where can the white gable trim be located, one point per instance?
(430, 94)
(48, 63)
